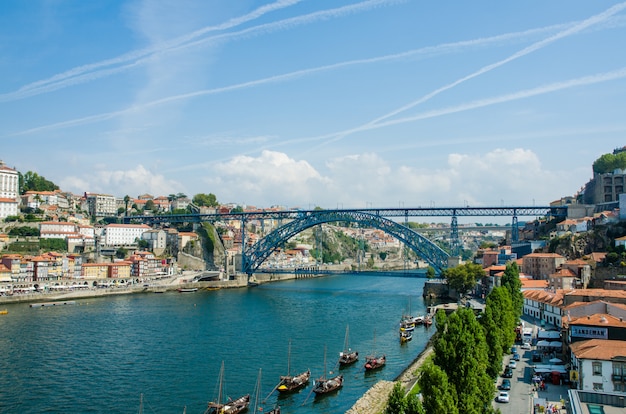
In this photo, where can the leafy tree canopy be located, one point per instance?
(463, 278)
(609, 162)
(31, 181)
(510, 280)
(206, 200)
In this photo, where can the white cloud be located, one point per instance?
(272, 178)
(121, 182)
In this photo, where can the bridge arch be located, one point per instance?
(256, 254)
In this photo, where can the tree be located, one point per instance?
(121, 253)
(438, 395)
(493, 340)
(461, 352)
(126, 201)
(396, 403)
(499, 301)
(382, 255)
(510, 280)
(207, 200)
(463, 278)
(430, 272)
(31, 181)
(150, 206)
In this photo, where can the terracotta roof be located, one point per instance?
(130, 226)
(544, 255)
(598, 256)
(598, 319)
(563, 273)
(534, 284)
(599, 349)
(545, 296)
(8, 200)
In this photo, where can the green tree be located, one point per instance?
(499, 301)
(31, 181)
(126, 201)
(414, 405)
(396, 403)
(150, 206)
(121, 253)
(510, 280)
(463, 278)
(237, 209)
(207, 200)
(382, 255)
(461, 352)
(493, 340)
(438, 395)
(430, 272)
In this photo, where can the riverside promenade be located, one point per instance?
(375, 399)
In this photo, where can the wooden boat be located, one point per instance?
(289, 383)
(428, 320)
(373, 361)
(258, 405)
(347, 356)
(325, 385)
(230, 406)
(4, 312)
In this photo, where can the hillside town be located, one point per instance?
(572, 272)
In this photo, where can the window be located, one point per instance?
(597, 368)
(597, 386)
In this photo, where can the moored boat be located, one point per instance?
(292, 383)
(325, 385)
(230, 406)
(187, 290)
(347, 356)
(405, 336)
(373, 362)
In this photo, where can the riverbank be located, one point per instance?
(375, 399)
(158, 286)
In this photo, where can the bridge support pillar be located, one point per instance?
(455, 242)
(514, 230)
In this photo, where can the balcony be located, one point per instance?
(617, 378)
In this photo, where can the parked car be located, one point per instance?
(513, 349)
(503, 397)
(506, 385)
(512, 364)
(516, 356)
(526, 345)
(508, 373)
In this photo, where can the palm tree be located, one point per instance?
(126, 201)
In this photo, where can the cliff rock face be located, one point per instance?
(577, 246)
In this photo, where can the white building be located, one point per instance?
(124, 234)
(101, 205)
(599, 365)
(9, 188)
(57, 230)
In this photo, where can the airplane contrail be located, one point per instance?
(163, 45)
(554, 87)
(532, 48)
(426, 51)
(93, 71)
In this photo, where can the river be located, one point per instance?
(104, 355)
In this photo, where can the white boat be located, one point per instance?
(347, 356)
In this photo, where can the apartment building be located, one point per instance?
(101, 205)
(9, 191)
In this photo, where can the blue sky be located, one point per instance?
(308, 103)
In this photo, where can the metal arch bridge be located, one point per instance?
(256, 254)
(299, 220)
